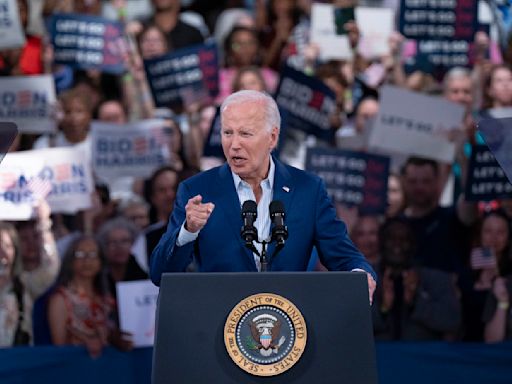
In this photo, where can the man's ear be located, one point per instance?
(274, 138)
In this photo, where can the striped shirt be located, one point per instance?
(262, 223)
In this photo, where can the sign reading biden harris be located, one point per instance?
(88, 42)
(308, 103)
(65, 172)
(129, 150)
(28, 101)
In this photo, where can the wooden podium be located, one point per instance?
(276, 327)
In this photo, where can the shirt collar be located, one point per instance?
(268, 182)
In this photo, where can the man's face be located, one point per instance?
(459, 91)
(366, 111)
(246, 141)
(420, 186)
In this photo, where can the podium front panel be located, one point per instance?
(193, 309)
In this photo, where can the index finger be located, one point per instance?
(196, 199)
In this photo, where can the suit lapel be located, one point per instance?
(230, 205)
(284, 190)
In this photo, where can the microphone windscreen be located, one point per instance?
(249, 206)
(276, 207)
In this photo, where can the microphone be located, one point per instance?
(279, 231)
(248, 232)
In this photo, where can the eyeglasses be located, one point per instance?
(86, 255)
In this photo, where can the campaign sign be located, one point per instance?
(213, 143)
(135, 149)
(29, 102)
(375, 26)
(88, 42)
(411, 123)
(439, 19)
(352, 178)
(332, 46)
(486, 179)
(308, 103)
(137, 307)
(446, 53)
(8, 132)
(184, 76)
(11, 31)
(496, 133)
(64, 171)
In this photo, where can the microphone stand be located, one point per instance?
(263, 256)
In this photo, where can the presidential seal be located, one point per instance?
(265, 334)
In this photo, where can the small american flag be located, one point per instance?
(483, 258)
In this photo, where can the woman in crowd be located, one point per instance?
(497, 88)
(493, 281)
(29, 264)
(151, 42)
(116, 238)
(365, 235)
(80, 307)
(492, 233)
(15, 301)
(249, 77)
(242, 48)
(75, 124)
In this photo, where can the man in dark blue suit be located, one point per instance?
(206, 220)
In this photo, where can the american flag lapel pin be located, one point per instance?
(286, 189)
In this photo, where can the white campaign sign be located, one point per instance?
(410, 123)
(136, 301)
(28, 101)
(11, 31)
(134, 150)
(376, 26)
(323, 33)
(65, 171)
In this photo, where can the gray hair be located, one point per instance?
(272, 116)
(455, 73)
(113, 224)
(132, 201)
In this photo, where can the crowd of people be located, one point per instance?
(58, 271)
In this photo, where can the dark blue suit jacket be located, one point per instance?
(310, 217)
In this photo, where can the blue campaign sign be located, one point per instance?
(308, 103)
(438, 20)
(352, 178)
(486, 180)
(496, 133)
(88, 42)
(213, 145)
(184, 76)
(8, 132)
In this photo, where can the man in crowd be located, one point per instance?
(440, 232)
